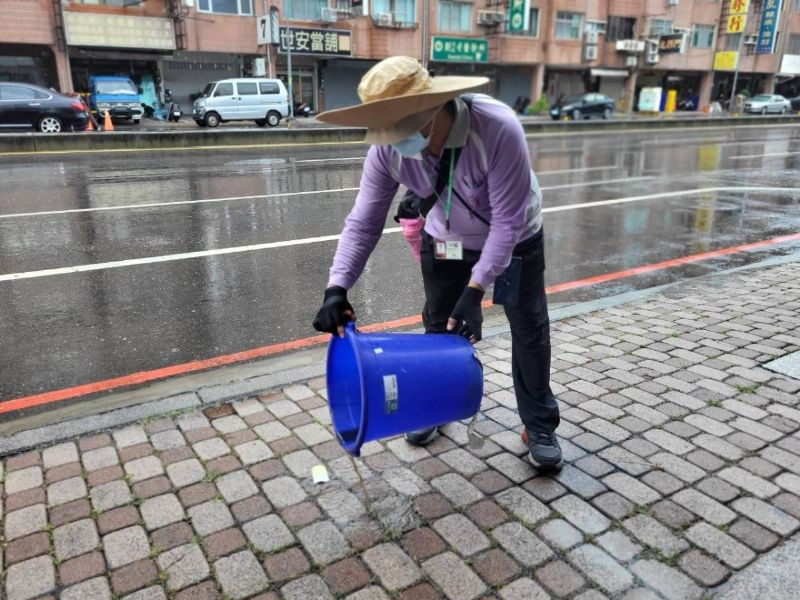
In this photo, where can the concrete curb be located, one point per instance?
(221, 138)
(286, 370)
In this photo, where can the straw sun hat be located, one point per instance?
(398, 97)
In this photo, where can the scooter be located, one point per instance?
(174, 112)
(301, 109)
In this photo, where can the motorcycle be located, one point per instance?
(174, 112)
(301, 109)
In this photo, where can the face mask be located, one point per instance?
(412, 145)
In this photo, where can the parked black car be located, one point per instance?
(795, 102)
(25, 105)
(584, 106)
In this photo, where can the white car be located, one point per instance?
(264, 101)
(767, 103)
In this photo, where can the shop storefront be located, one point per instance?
(28, 63)
(117, 45)
(187, 73)
(318, 59)
(686, 83)
(560, 84)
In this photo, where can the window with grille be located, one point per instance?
(403, 10)
(568, 25)
(732, 41)
(226, 7)
(794, 44)
(620, 28)
(304, 10)
(702, 36)
(455, 16)
(660, 27)
(533, 25)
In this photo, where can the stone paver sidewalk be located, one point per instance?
(683, 466)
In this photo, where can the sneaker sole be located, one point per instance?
(424, 441)
(546, 467)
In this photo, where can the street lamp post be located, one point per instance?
(289, 41)
(425, 26)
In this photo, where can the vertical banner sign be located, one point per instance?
(770, 15)
(516, 15)
(737, 17)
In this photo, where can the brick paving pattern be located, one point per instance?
(683, 466)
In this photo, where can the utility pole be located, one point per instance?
(289, 42)
(425, 33)
(736, 71)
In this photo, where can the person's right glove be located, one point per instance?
(467, 311)
(335, 312)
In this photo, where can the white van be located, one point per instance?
(264, 101)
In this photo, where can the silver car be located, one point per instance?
(264, 101)
(767, 103)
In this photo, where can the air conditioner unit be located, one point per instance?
(590, 53)
(751, 40)
(491, 17)
(386, 19)
(652, 57)
(590, 37)
(631, 62)
(329, 15)
(672, 2)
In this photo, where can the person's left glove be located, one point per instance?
(467, 312)
(335, 312)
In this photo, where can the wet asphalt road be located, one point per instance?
(61, 329)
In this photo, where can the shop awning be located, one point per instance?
(621, 73)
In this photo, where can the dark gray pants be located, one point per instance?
(444, 281)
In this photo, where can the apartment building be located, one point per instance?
(527, 48)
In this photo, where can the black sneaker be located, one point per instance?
(544, 451)
(421, 437)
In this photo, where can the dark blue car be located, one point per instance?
(26, 105)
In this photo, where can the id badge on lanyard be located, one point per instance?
(451, 247)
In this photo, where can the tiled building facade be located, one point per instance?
(563, 47)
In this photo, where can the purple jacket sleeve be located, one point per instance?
(509, 188)
(364, 225)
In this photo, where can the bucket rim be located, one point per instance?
(351, 338)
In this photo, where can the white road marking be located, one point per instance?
(331, 238)
(178, 203)
(319, 160)
(264, 196)
(591, 183)
(764, 155)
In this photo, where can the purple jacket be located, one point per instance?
(493, 175)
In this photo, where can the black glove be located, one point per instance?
(467, 314)
(335, 311)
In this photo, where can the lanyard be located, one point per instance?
(448, 205)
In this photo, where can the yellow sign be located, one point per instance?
(736, 23)
(725, 61)
(739, 7)
(119, 31)
(737, 17)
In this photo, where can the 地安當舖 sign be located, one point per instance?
(770, 15)
(447, 49)
(301, 40)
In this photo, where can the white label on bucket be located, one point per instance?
(389, 394)
(378, 351)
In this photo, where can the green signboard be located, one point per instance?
(516, 15)
(448, 49)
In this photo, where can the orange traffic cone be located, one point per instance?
(89, 123)
(107, 124)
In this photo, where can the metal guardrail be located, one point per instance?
(232, 138)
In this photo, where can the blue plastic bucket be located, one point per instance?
(385, 384)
